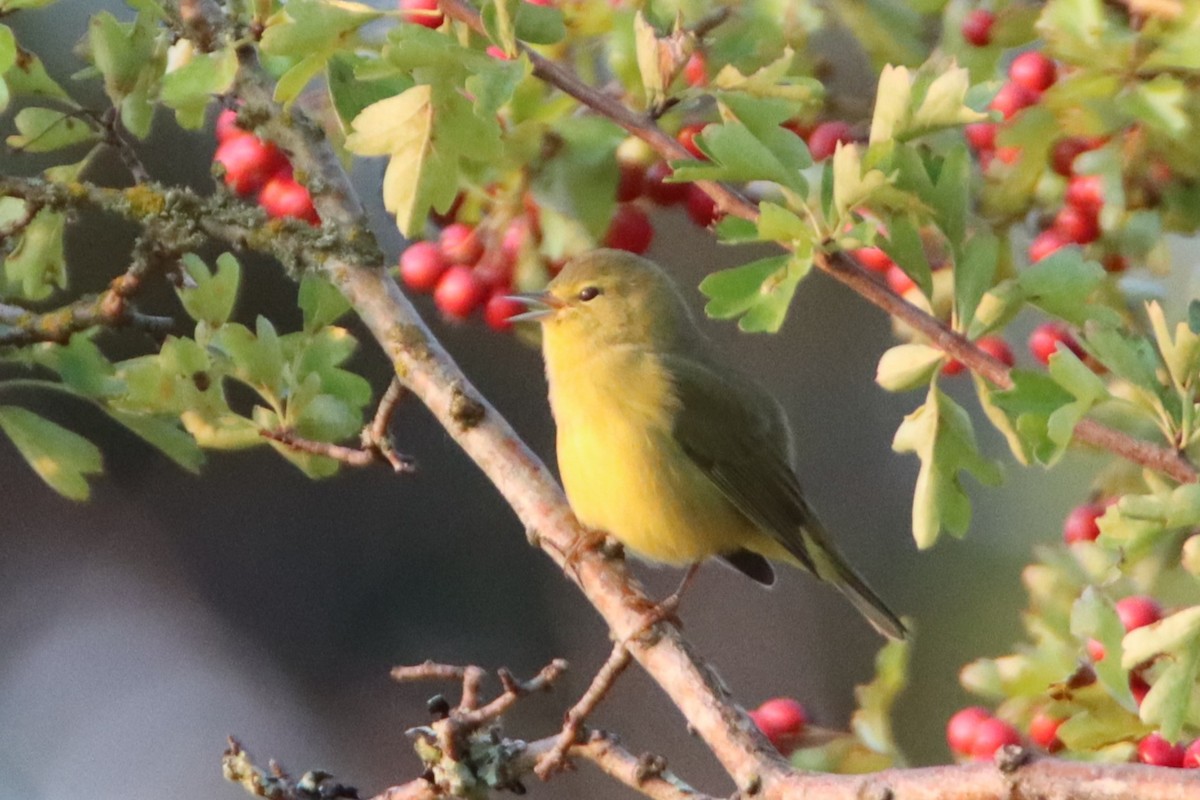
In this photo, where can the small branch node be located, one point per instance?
(1011, 757)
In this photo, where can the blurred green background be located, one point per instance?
(144, 626)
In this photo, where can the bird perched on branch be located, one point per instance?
(676, 456)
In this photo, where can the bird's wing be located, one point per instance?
(736, 434)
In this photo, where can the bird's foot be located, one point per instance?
(590, 541)
(665, 610)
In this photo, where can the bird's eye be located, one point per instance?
(589, 292)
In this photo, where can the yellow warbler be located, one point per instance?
(677, 457)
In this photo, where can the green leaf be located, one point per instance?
(909, 106)
(351, 92)
(61, 458)
(27, 75)
(321, 302)
(581, 181)
(540, 24)
(772, 80)
(778, 224)
(974, 274)
(851, 186)
(305, 27)
(164, 435)
(905, 247)
(1180, 353)
(1130, 357)
(1083, 384)
(735, 154)
(36, 265)
(190, 89)
(907, 366)
(43, 130)
(1169, 703)
(1062, 284)
(758, 292)
(872, 722)
(125, 54)
(426, 133)
(82, 367)
(941, 435)
(1094, 617)
(949, 198)
(498, 16)
(212, 298)
(1160, 103)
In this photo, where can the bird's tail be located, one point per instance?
(861, 596)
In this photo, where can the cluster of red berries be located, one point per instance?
(782, 720)
(463, 276)
(1029, 75)
(254, 168)
(974, 733)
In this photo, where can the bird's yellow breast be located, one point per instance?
(623, 470)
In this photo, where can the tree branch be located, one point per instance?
(838, 265)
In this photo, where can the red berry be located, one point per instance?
(981, 135)
(825, 138)
(282, 197)
(1085, 192)
(460, 244)
(962, 728)
(700, 207)
(515, 236)
(1138, 687)
(1043, 731)
(249, 162)
(991, 735)
(1008, 155)
(1191, 756)
(1077, 225)
(687, 138)
(459, 292)
(415, 11)
(1011, 98)
(783, 714)
(1156, 751)
(497, 52)
(997, 348)
(874, 259)
(1138, 611)
(1046, 338)
(695, 71)
(498, 309)
(630, 230)
(661, 192)
(421, 265)
(1066, 150)
(1080, 525)
(898, 279)
(1114, 262)
(782, 721)
(632, 181)
(952, 367)
(1034, 71)
(227, 127)
(1095, 650)
(977, 27)
(1045, 243)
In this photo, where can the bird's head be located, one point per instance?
(611, 297)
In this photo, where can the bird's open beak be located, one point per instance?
(540, 305)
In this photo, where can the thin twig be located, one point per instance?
(614, 665)
(350, 456)
(376, 435)
(513, 691)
